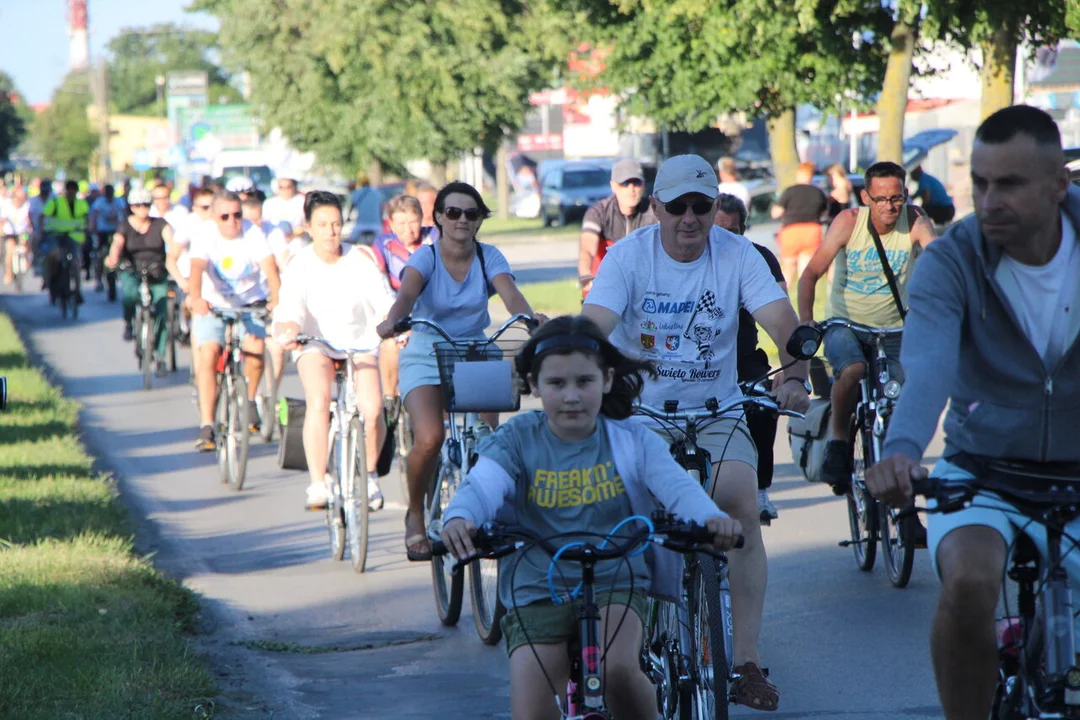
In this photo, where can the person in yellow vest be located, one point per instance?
(65, 219)
(861, 293)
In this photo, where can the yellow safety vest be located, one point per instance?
(60, 220)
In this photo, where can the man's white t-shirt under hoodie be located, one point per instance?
(342, 302)
(232, 266)
(1044, 297)
(684, 317)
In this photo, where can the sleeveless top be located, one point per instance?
(144, 248)
(860, 292)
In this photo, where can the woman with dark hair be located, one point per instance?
(340, 294)
(448, 283)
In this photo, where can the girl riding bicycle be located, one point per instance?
(338, 293)
(579, 465)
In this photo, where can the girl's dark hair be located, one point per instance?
(465, 189)
(317, 199)
(629, 373)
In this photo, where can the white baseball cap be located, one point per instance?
(685, 174)
(240, 184)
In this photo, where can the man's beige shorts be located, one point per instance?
(726, 440)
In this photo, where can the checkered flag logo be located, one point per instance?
(707, 304)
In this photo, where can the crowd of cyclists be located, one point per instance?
(673, 294)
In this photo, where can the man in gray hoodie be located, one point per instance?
(993, 325)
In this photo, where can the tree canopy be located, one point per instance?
(13, 126)
(138, 56)
(61, 134)
(384, 80)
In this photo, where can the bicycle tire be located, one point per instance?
(897, 549)
(239, 431)
(356, 500)
(449, 587)
(661, 659)
(862, 508)
(171, 330)
(73, 296)
(136, 344)
(707, 652)
(487, 608)
(146, 341)
(61, 286)
(221, 426)
(335, 520)
(268, 393)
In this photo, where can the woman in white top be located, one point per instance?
(340, 294)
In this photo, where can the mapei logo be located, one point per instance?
(666, 308)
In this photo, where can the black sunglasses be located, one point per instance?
(632, 182)
(454, 213)
(678, 207)
(234, 216)
(142, 205)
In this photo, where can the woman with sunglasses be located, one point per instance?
(448, 283)
(140, 242)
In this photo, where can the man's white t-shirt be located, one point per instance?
(16, 220)
(343, 302)
(684, 317)
(277, 210)
(186, 230)
(738, 190)
(233, 277)
(1045, 297)
(175, 215)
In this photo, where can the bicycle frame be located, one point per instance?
(1052, 691)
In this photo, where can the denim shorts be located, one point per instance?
(844, 347)
(209, 328)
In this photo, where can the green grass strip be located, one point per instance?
(87, 628)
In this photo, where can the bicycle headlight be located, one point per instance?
(892, 389)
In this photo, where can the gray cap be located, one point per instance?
(627, 169)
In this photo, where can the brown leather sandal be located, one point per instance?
(752, 688)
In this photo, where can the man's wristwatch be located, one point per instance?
(805, 383)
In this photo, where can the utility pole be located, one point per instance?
(99, 83)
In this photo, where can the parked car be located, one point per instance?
(570, 187)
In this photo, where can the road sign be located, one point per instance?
(207, 131)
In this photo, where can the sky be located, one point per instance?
(34, 50)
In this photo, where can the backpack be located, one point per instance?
(808, 436)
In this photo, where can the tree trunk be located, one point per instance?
(502, 181)
(997, 73)
(892, 104)
(438, 174)
(375, 172)
(785, 156)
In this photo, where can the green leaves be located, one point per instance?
(12, 119)
(362, 80)
(61, 135)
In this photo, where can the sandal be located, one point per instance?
(752, 688)
(418, 545)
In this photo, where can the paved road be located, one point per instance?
(841, 644)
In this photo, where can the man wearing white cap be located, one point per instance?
(612, 219)
(671, 293)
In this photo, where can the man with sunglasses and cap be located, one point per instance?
(671, 293)
(612, 219)
(228, 263)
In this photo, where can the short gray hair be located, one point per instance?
(227, 196)
(732, 206)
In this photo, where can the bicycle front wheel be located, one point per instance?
(239, 431)
(73, 295)
(335, 522)
(709, 626)
(449, 586)
(221, 426)
(356, 496)
(862, 508)
(267, 398)
(487, 609)
(172, 330)
(145, 339)
(897, 545)
(662, 661)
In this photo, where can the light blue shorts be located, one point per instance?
(416, 363)
(209, 328)
(992, 512)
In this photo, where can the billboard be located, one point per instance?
(206, 131)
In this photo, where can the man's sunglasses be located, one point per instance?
(678, 207)
(142, 205)
(234, 216)
(632, 182)
(455, 213)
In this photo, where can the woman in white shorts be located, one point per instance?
(340, 294)
(448, 283)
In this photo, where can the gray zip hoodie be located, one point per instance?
(962, 342)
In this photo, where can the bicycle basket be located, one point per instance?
(479, 376)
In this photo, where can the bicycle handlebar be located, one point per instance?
(712, 409)
(237, 313)
(407, 323)
(826, 325)
(496, 541)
